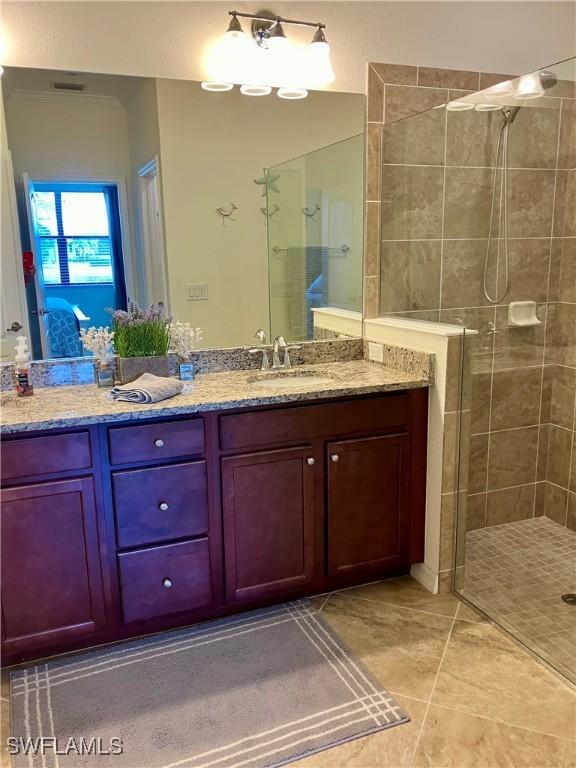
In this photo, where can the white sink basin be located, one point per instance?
(294, 382)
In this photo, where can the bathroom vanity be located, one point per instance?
(134, 525)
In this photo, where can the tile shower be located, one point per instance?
(431, 186)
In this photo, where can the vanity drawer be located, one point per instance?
(156, 442)
(165, 580)
(310, 422)
(160, 504)
(43, 455)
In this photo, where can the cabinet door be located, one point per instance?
(368, 525)
(269, 526)
(51, 577)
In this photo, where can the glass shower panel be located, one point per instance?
(314, 207)
(478, 225)
(516, 527)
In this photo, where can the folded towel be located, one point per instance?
(148, 389)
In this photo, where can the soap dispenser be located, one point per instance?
(24, 386)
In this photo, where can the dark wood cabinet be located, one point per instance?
(51, 577)
(368, 522)
(119, 530)
(160, 503)
(165, 580)
(270, 522)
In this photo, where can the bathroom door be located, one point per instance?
(38, 318)
(13, 315)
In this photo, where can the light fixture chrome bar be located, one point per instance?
(278, 20)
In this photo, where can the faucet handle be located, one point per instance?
(265, 362)
(260, 334)
(290, 348)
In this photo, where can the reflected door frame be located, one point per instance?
(153, 253)
(29, 179)
(13, 305)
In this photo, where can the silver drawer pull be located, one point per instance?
(159, 443)
(334, 457)
(311, 461)
(163, 506)
(167, 583)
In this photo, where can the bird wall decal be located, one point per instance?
(226, 212)
(310, 214)
(272, 213)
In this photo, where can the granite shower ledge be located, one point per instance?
(82, 405)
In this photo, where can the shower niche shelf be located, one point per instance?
(523, 314)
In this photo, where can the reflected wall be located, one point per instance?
(315, 236)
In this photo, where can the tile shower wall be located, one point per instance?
(556, 486)
(429, 187)
(403, 240)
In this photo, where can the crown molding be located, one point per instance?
(66, 97)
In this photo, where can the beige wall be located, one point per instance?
(171, 39)
(64, 136)
(144, 146)
(212, 148)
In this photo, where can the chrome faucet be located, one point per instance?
(261, 336)
(279, 343)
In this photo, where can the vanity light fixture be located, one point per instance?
(293, 69)
(487, 107)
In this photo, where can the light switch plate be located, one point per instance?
(375, 352)
(197, 292)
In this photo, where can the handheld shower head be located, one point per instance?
(509, 114)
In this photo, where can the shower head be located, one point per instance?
(509, 114)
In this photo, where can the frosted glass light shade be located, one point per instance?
(486, 107)
(459, 106)
(505, 88)
(529, 87)
(320, 71)
(255, 90)
(292, 93)
(216, 87)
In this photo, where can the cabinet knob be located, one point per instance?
(159, 443)
(311, 460)
(167, 583)
(163, 506)
(334, 457)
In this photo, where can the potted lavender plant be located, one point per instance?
(141, 339)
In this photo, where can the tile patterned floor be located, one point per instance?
(476, 699)
(516, 573)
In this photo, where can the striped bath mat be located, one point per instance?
(259, 689)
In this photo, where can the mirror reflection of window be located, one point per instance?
(73, 229)
(79, 254)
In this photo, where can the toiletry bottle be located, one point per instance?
(24, 386)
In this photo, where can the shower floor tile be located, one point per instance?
(516, 573)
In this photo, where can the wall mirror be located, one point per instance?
(236, 212)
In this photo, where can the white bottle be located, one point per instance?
(24, 386)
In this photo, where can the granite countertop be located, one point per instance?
(71, 406)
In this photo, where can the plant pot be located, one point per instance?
(130, 368)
